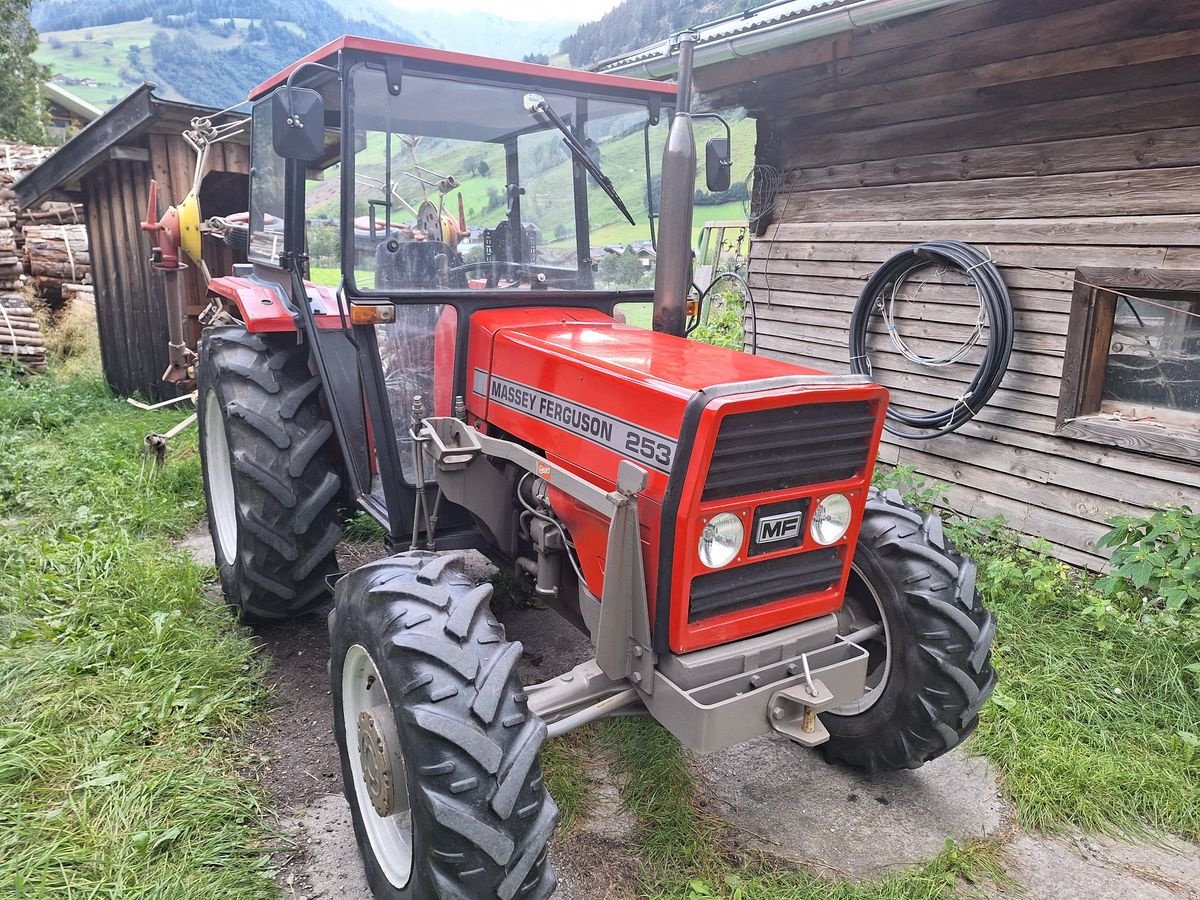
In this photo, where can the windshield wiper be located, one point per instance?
(536, 103)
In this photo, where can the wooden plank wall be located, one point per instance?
(131, 296)
(1053, 133)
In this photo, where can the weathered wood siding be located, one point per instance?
(131, 296)
(1055, 134)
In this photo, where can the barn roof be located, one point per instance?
(765, 27)
(138, 114)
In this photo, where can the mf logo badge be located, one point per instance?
(781, 527)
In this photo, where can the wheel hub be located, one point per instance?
(377, 753)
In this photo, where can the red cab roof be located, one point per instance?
(428, 54)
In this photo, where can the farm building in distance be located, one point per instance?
(108, 166)
(1060, 136)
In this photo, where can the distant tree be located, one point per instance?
(22, 116)
(483, 169)
(540, 59)
(87, 36)
(76, 51)
(108, 61)
(621, 270)
(55, 42)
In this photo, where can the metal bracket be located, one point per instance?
(623, 642)
(393, 67)
(794, 712)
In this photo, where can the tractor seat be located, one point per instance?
(414, 265)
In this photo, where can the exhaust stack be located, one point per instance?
(673, 268)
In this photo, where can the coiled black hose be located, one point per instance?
(996, 308)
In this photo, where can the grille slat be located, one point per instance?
(763, 582)
(773, 449)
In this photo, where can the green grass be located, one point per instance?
(122, 690)
(1094, 721)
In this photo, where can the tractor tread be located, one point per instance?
(479, 798)
(286, 490)
(934, 703)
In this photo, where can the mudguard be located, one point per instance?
(266, 308)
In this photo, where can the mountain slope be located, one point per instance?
(203, 51)
(465, 32)
(636, 23)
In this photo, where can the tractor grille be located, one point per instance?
(763, 582)
(773, 449)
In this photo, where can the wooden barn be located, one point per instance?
(108, 166)
(1062, 138)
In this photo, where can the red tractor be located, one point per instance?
(705, 516)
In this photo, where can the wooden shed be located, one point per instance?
(108, 166)
(1062, 137)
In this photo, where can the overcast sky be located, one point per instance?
(523, 10)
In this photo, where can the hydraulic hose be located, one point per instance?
(995, 310)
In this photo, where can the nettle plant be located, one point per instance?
(1155, 559)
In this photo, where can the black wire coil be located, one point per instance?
(997, 304)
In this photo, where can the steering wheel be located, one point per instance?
(494, 267)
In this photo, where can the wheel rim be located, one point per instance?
(391, 836)
(863, 609)
(219, 470)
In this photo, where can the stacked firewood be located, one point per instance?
(21, 339)
(56, 255)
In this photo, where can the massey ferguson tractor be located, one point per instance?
(474, 372)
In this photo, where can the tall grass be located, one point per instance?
(122, 689)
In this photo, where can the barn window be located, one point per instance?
(1131, 376)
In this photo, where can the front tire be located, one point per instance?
(930, 670)
(271, 487)
(440, 753)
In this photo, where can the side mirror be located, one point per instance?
(717, 164)
(298, 123)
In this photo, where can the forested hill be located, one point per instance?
(204, 51)
(636, 23)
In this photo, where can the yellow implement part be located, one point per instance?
(189, 226)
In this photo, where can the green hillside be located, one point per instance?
(204, 51)
(106, 53)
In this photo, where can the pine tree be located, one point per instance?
(22, 115)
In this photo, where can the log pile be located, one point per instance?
(21, 339)
(42, 249)
(55, 255)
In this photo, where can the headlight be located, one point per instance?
(831, 519)
(721, 540)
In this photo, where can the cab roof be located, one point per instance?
(328, 56)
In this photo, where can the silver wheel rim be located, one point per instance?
(218, 468)
(862, 609)
(391, 837)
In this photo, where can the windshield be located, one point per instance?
(460, 185)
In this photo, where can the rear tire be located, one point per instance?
(271, 487)
(930, 670)
(449, 747)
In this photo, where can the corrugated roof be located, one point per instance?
(755, 17)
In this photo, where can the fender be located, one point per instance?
(266, 308)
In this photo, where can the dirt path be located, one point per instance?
(782, 799)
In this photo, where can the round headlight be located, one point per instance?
(721, 540)
(831, 519)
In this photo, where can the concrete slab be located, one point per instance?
(788, 802)
(1083, 868)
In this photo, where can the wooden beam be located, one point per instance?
(130, 154)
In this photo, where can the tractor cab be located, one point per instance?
(429, 185)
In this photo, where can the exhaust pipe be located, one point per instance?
(673, 266)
